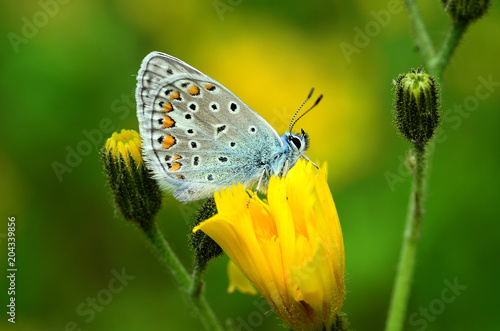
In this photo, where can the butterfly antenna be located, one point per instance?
(315, 104)
(308, 97)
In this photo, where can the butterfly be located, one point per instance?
(198, 137)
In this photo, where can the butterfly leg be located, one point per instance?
(258, 185)
(261, 177)
(285, 169)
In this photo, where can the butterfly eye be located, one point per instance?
(296, 141)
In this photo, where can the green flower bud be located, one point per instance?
(466, 11)
(205, 248)
(416, 106)
(136, 194)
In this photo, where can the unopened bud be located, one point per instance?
(416, 106)
(205, 248)
(466, 11)
(136, 194)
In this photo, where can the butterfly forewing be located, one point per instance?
(198, 136)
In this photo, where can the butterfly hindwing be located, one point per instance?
(198, 137)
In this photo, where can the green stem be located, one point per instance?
(196, 285)
(422, 38)
(402, 284)
(438, 64)
(172, 262)
(167, 255)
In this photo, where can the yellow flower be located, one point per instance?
(290, 247)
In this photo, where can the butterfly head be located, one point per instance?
(299, 142)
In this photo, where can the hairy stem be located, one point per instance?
(196, 282)
(171, 261)
(438, 64)
(422, 38)
(402, 283)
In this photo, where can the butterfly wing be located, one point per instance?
(198, 137)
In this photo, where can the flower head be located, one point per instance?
(290, 247)
(136, 194)
(125, 144)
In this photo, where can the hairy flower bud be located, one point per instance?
(416, 106)
(205, 248)
(136, 194)
(466, 11)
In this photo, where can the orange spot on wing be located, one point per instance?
(168, 122)
(176, 157)
(209, 87)
(194, 90)
(168, 107)
(175, 96)
(175, 166)
(168, 141)
(180, 176)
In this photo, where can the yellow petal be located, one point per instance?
(124, 144)
(238, 280)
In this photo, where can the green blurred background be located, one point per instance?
(74, 69)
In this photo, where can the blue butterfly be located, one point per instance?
(198, 137)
